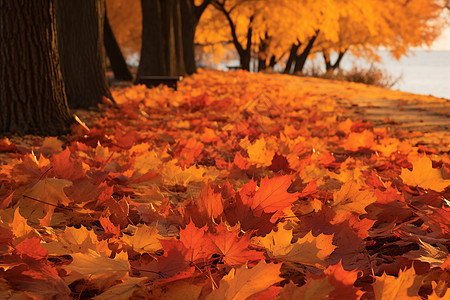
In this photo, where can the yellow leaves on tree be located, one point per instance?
(243, 282)
(425, 176)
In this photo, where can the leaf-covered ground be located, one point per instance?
(236, 186)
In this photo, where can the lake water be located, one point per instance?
(422, 72)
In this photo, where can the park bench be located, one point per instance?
(152, 81)
(234, 68)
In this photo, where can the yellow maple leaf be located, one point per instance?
(423, 175)
(308, 250)
(405, 286)
(74, 240)
(259, 154)
(94, 265)
(146, 162)
(243, 282)
(43, 197)
(173, 174)
(350, 199)
(145, 240)
(19, 227)
(312, 290)
(122, 291)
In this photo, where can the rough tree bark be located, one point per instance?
(190, 14)
(32, 97)
(80, 34)
(162, 43)
(118, 63)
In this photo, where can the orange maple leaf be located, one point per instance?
(405, 286)
(271, 197)
(232, 247)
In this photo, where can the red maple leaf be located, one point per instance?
(32, 248)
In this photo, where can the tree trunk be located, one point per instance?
(291, 58)
(118, 63)
(246, 56)
(162, 43)
(272, 62)
(32, 97)
(332, 66)
(301, 59)
(80, 34)
(327, 60)
(337, 63)
(262, 52)
(189, 25)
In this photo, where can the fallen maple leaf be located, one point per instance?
(435, 256)
(42, 198)
(32, 247)
(405, 286)
(423, 175)
(350, 199)
(145, 239)
(123, 290)
(234, 248)
(243, 282)
(194, 240)
(210, 202)
(272, 196)
(312, 290)
(98, 267)
(74, 240)
(308, 250)
(356, 141)
(259, 154)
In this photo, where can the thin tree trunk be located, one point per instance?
(291, 58)
(301, 59)
(32, 96)
(337, 63)
(189, 25)
(162, 39)
(327, 60)
(272, 62)
(247, 54)
(80, 33)
(262, 52)
(118, 63)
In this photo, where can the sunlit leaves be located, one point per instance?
(425, 176)
(191, 193)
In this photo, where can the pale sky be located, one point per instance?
(443, 42)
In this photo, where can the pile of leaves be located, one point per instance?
(236, 186)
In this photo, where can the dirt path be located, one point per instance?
(426, 116)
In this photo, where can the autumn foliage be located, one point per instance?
(236, 186)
